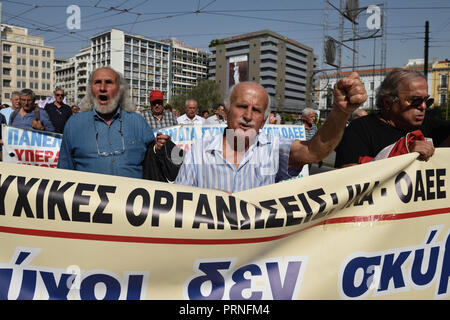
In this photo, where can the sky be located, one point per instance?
(197, 22)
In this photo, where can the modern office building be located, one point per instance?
(26, 63)
(188, 65)
(283, 66)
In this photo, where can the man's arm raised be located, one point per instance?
(349, 93)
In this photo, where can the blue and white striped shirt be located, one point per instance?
(265, 162)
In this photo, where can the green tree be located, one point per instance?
(206, 93)
(177, 102)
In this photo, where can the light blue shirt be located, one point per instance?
(27, 120)
(7, 113)
(265, 162)
(90, 144)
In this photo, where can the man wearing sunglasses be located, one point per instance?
(108, 137)
(402, 100)
(58, 111)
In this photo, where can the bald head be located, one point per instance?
(248, 86)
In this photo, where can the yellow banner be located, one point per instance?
(374, 231)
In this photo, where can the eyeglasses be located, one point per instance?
(59, 95)
(110, 153)
(415, 102)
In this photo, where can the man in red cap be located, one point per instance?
(156, 116)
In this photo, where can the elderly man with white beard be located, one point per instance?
(244, 158)
(108, 137)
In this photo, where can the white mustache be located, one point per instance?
(243, 122)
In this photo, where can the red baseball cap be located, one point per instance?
(156, 95)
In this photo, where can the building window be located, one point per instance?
(444, 81)
(443, 99)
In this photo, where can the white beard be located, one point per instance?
(109, 108)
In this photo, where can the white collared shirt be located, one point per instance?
(265, 162)
(185, 120)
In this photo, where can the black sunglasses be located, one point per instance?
(156, 102)
(417, 101)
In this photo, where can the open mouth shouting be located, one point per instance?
(103, 98)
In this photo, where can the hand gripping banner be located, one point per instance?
(374, 231)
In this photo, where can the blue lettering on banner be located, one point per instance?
(30, 138)
(191, 132)
(20, 281)
(273, 279)
(398, 270)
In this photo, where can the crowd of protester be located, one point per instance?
(108, 136)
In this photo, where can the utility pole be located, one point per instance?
(1, 53)
(425, 64)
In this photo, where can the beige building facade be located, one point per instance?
(27, 63)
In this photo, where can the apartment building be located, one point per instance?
(65, 79)
(143, 62)
(72, 75)
(440, 86)
(284, 67)
(82, 71)
(26, 63)
(188, 66)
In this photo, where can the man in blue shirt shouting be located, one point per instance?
(108, 137)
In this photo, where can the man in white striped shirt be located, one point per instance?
(244, 158)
